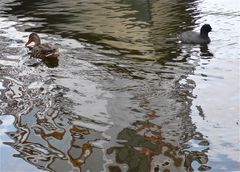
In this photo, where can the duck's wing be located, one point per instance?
(45, 51)
(49, 50)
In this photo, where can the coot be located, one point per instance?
(192, 37)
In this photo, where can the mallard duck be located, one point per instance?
(42, 51)
(192, 37)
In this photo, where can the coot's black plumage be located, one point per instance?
(192, 37)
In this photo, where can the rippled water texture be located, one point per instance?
(124, 95)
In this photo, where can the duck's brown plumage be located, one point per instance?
(42, 51)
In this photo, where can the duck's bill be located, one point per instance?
(27, 43)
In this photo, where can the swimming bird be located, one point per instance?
(192, 37)
(42, 51)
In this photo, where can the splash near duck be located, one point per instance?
(43, 51)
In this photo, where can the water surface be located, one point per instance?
(125, 95)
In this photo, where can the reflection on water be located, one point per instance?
(138, 29)
(99, 107)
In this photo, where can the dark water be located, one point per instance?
(125, 95)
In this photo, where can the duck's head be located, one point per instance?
(205, 29)
(33, 37)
